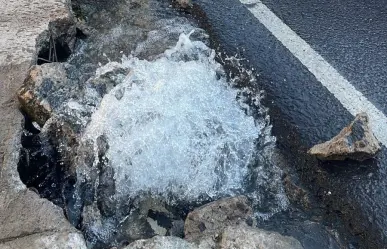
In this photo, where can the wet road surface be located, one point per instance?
(351, 37)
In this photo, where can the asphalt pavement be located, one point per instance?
(351, 38)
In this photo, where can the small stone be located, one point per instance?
(356, 142)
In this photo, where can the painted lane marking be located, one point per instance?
(353, 100)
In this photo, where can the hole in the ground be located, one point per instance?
(37, 164)
(40, 167)
(53, 51)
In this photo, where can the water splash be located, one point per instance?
(174, 128)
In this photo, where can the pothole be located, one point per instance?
(129, 146)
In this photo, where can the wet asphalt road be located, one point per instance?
(352, 37)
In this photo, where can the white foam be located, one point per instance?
(176, 127)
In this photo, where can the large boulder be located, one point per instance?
(210, 220)
(49, 91)
(355, 141)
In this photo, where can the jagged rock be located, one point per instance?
(161, 242)
(227, 224)
(233, 236)
(36, 96)
(243, 236)
(61, 36)
(209, 220)
(30, 18)
(49, 91)
(355, 141)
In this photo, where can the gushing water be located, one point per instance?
(174, 126)
(175, 129)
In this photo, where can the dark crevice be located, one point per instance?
(53, 51)
(161, 218)
(58, 43)
(40, 166)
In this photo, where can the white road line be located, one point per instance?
(353, 100)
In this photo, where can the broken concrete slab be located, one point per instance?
(356, 142)
(23, 213)
(24, 217)
(52, 240)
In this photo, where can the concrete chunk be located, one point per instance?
(355, 141)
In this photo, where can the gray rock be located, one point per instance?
(233, 237)
(161, 242)
(227, 224)
(238, 236)
(245, 237)
(355, 141)
(210, 220)
(59, 134)
(47, 92)
(36, 94)
(149, 217)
